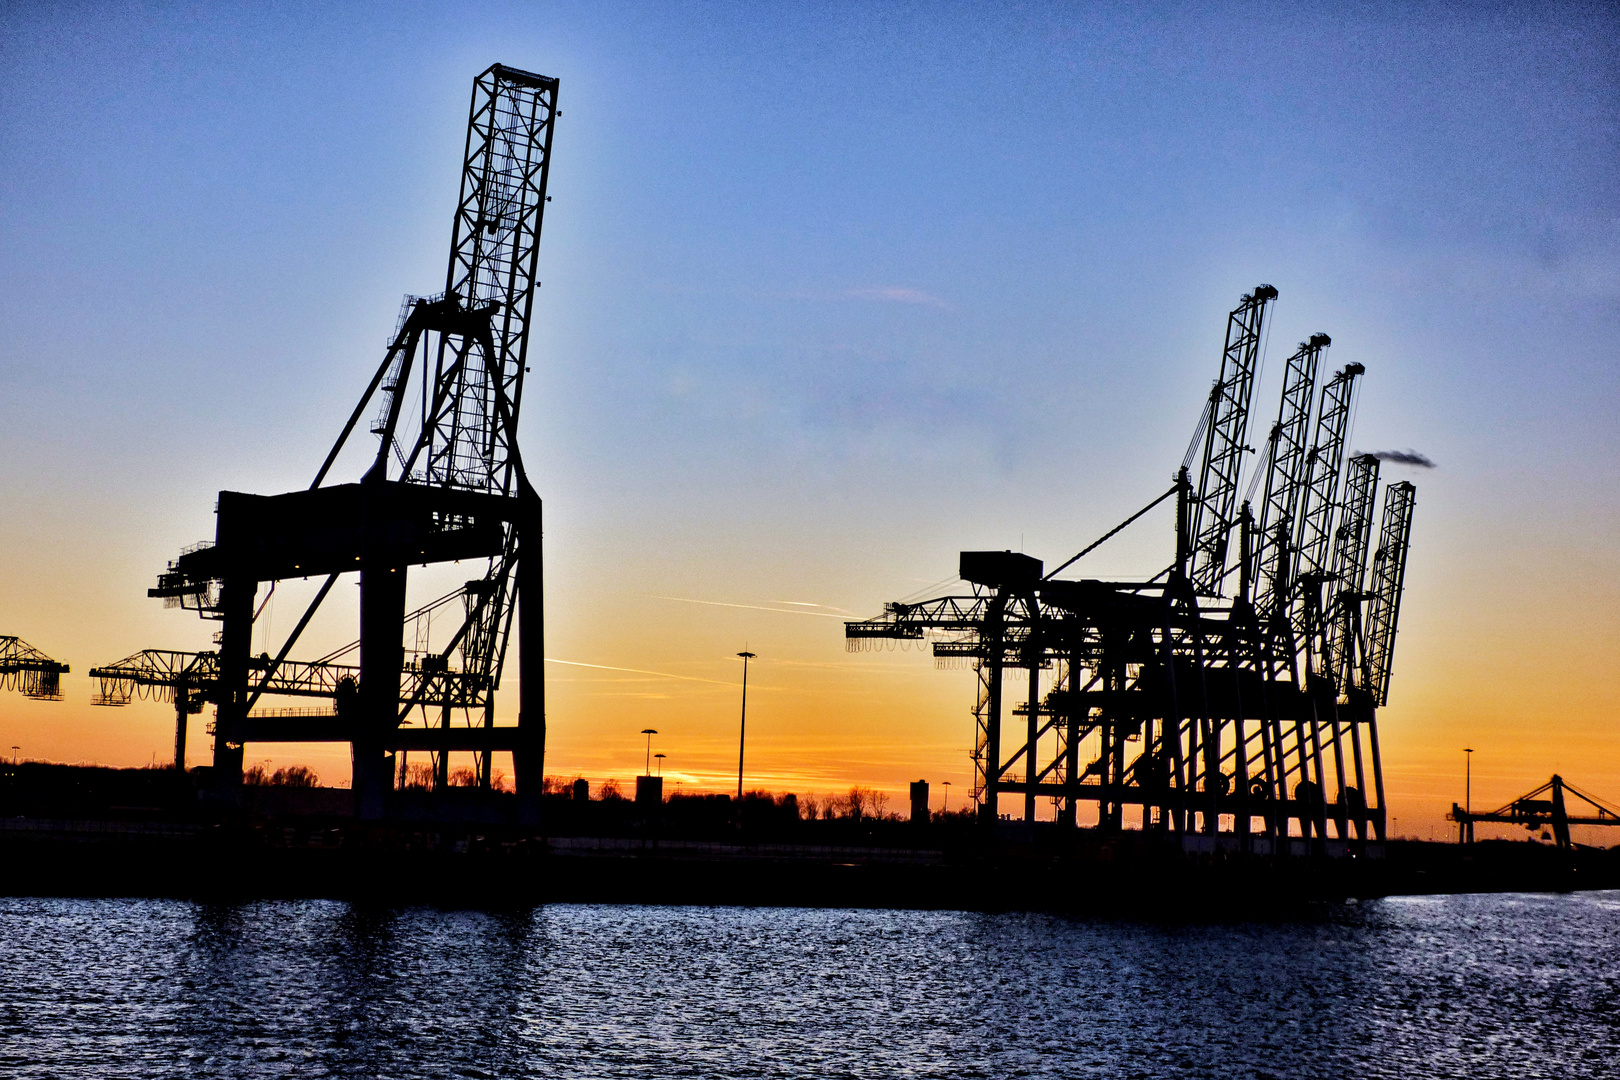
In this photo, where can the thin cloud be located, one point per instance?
(806, 603)
(898, 294)
(751, 607)
(636, 671)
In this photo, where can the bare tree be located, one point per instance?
(298, 776)
(862, 803)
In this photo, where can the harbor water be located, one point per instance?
(1443, 986)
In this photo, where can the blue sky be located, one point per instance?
(832, 292)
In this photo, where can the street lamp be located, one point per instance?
(649, 732)
(1468, 789)
(660, 758)
(1468, 779)
(742, 735)
(947, 786)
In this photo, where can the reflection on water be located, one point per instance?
(1522, 986)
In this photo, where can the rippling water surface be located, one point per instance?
(1478, 986)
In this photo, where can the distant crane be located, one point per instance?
(1545, 807)
(25, 668)
(1239, 709)
(450, 488)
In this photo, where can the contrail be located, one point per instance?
(636, 671)
(754, 607)
(1402, 457)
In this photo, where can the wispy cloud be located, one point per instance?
(636, 671)
(899, 294)
(752, 607)
(806, 603)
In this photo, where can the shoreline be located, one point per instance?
(469, 864)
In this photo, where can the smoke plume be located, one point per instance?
(1402, 457)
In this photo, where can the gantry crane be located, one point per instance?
(1240, 696)
(1544, 808)
(25, 668)
(446, 483)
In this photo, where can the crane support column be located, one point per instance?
(382, 652)
(529, 760)
(236, 592)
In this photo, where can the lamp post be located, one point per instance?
(1468, 791)
(660, 758)
(742, 735)
(649, 732)
(947, 786)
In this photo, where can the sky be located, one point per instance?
(831, 292)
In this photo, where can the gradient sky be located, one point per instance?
(832, 291)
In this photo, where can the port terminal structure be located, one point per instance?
(25, 669)
(1231, 699)
(1546, 808)
(451, 489)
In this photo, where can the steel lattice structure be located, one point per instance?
(446, 483)
(1351, 547)
(1225, 432)
(1269, 559)
(25, 668)
(1534, 812)
(1235, 717)
(1388, 582)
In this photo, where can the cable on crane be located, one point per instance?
(1095, 544)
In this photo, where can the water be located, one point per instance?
(1487, 986)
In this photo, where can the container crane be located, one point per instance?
(26, 669)
(452, 488)
(1226, 708)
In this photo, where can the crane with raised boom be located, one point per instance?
(1236, 696)
(445, 483)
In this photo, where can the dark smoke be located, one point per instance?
(1402, 457)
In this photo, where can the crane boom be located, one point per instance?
(1226, 430)
(1351, 543)
(1319, 498)
(1388, 580)
(1284, 473)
